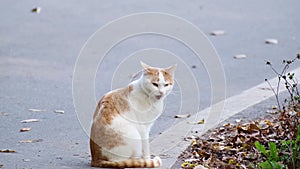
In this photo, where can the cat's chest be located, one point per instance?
(144, 110)
(144, 105)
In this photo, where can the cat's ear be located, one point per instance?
(171, 70)
(145, 66)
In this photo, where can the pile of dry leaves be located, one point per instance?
(232, 146)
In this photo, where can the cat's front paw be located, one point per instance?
(157, 161)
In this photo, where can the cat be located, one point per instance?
(123, 119)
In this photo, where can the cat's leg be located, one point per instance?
(146, 149)
(144, 131)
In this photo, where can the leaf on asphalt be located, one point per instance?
(31, 141)
(198, 122)
(7, 151)
(26, 160)
(182, 116)
(37, 110)
(30, 120)
(36, 10)
(274, 107)
(201, 121)
(271, 41)
(25, 129)
(218, 33)
(240, 56)
(59, 111)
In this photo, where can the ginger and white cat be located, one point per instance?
(123, 119)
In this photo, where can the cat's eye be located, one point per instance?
(155, 84)
(167, 84)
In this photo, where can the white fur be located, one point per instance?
(135, 125)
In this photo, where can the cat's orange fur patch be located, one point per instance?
(168, 77)
(155, 72)
(113, 104)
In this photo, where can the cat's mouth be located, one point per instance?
(158, 97)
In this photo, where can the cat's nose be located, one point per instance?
(161, 93)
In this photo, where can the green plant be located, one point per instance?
(272, 161)
(291, 151)
(288, 155)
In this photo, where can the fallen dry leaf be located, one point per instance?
(272, 111)
(240, 56)
(274, 107)
(232, 145)
(217, 33)
(226, 125)
(36, 10)
(182, 116)
(37, 110)
(25, 129)
(271, 41)
(269, 123)
(30, 120)
(193, 142)
(31, 141)
(26, 160)
(198, 122)
(201, 121)
(7, 151)
(238, 120)
(59, 111)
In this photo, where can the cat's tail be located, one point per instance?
(130, 163)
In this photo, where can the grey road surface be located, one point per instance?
(38, 52)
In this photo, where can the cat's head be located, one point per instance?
(157, 82)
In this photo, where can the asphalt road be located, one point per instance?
(38, 53)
